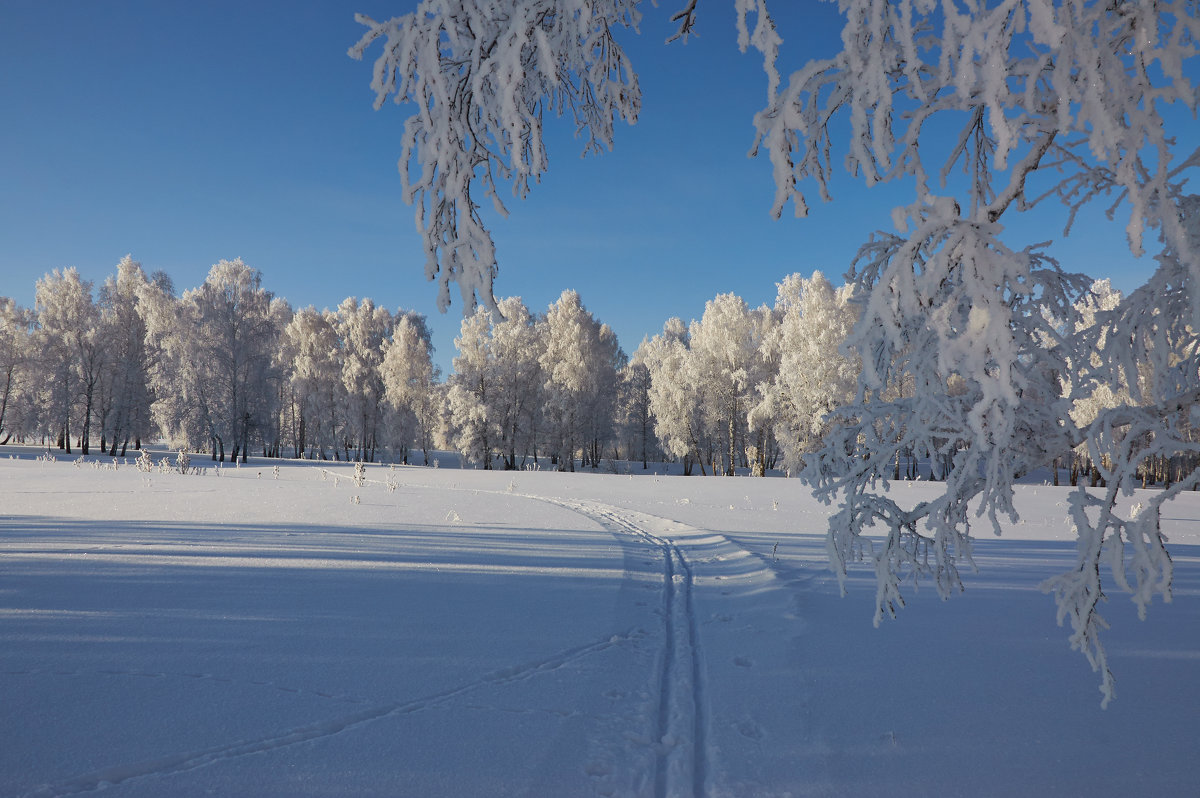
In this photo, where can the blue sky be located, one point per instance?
(184, 133)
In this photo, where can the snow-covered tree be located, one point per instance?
(214, 359)
(579, 364)
(179, 410)
(17, 355)
(481, 77)
(634, 419)
(517, 398)
(128, 417)
(362, 328)
(810, 376)
(673, 395)
(600, 415)
(495, 398)
(311, 360)
(726, 366)
(74, 353)
(1053, 102)
(409, 383)
(470, 389)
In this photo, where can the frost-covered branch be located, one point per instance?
(480, 78)
(973, 349)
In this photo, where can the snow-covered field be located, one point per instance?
(472, 633)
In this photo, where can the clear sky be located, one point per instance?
(184, 133)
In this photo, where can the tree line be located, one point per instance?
(229, 368)
(226, 367)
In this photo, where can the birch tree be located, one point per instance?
(517, 347)
(311, 354)
(726, 367)
(470, 389)
(1059, 102)
(17, 356)
(131, 399)
(580, 363)
(409, 378)
(674, 395)
(811, 377)
(73, 353)
(634, 418)
(362, 327)
(214, 373)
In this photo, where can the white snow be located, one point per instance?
(533, 633)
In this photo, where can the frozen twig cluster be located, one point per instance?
(973, 351)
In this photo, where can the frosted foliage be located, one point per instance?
(811, 378)
(480, 77)
(673, 404)
(579, 365)
(726, 365)
(214, 369)
(495, 395)
(73, 350)
(311, 355)
(973, 347)
(408, 376)
(362, 328)
(17, 372)
(517, 346)
(975, 353)
(470, 386)
(1083, 83)
(1103, 395)
(126, 399)
(634, 418)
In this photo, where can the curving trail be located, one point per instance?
(682, 725)
(613, 649)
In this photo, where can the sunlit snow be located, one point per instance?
(474, 633)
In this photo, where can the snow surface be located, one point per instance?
(473, 633)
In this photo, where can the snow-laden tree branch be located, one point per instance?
(480, 78)
(974, 350)
(959, 361)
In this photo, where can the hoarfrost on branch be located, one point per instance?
(972, 347)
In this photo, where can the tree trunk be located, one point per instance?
(732, 439)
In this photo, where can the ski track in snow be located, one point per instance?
(681, 724)
(681, 721)
(681, 727)
(190, 760)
